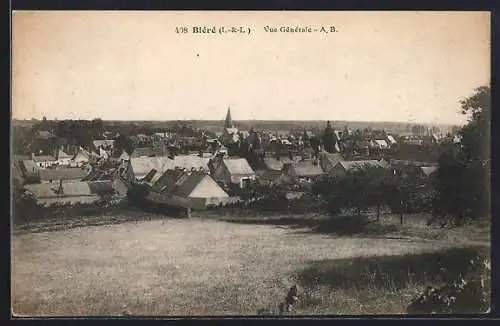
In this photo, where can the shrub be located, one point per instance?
(469, 293)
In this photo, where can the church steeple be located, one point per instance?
(228, 123)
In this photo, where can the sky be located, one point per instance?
(378, 66)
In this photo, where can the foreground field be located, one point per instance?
(206, 267)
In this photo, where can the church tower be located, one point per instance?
(228, 123)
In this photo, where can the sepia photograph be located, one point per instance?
(250, 163)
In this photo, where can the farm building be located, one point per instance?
(232, 171)
(62, 174)
(196, 190)
(69, 193)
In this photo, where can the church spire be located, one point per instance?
(229, 121)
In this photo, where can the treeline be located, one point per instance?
(26, 139)
(460, 189)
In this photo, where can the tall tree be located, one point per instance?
(329, 139)
(463, 182)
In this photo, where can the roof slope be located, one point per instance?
(62, 155)
(103, 142)
(307, 168)
(332, 158)
(198, 185)
(167, 180)
(143, 152)
(44, 158)
(348, 165)
(238, 166)
(428, 170)
(62, 174)
(47, 190)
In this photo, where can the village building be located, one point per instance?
(380, 144)
(232, 171)
(423, 171)
(81, 158)
(66, 175)
(306, 171)
(124, 157)
(106, 144)
(273, 178)
(103, 153)
(142, 152)
(193, 190)
(44, 161)
(143, 166)
(118, 179)
(327, 161)
(392, 141)
(63, 193)
(342, 167)
(62, 158)
(277, 162)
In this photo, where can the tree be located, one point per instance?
(25, 207)
(464, 171)
(124, 143)
(359, 189)
(329, 139)
(305, 139)
(379, 183)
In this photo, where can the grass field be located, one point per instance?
(207, 267)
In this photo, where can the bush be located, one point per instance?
(469, 293)
(137, 194)
(334, 208)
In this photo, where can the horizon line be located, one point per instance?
(245, 120)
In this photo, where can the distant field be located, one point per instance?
(207, 267)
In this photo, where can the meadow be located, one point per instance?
(165, 267)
